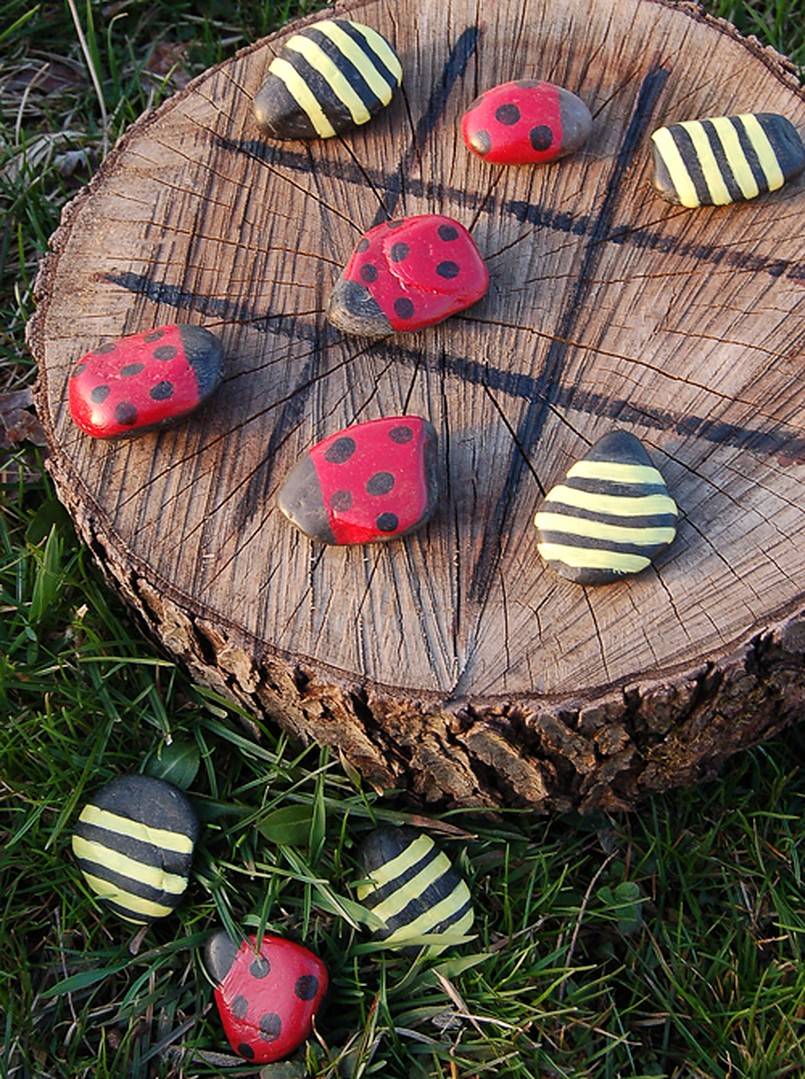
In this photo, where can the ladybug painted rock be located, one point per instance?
(333, 75)
(143, 381)
(407, 274)
(526, 122)
(267, 997)
(374, 481)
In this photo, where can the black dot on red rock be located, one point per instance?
(99, 394)
(481, 142)
(162, 391)
(369, 272)
(240, 1007)
(164, 352)
(155, 336)
(104, 349)
(447, 232)
(131, 369)
(401, 434)
(307, 986)
(447, 269)
(541, 137)
(126, 413)
(387, 522)
(404, 307)
(507, 114)
(380, 484)
(340, 501)
(399, 251)
(341, 450)
(362, 245)
(246, 1051)
(260, 968)
(270, 1027)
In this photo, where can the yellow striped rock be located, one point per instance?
(611, 515)
(331, 76)
(134, 844)
(412, 887)
(725, 159)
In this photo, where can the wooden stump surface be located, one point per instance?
(455, 663)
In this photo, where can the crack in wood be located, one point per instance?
(460, 55)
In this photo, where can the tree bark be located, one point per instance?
(454, 663)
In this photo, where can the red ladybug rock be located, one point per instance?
(407, 274)
(267, 997)
(373, 481)
(145, 380)
(525, 123)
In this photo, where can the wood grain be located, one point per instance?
(455, 663)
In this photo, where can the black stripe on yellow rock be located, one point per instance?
(327, 78)
(610, 516)
(134, 844)
(720, 155)
(722, 159)
(139, 849)
(363, 91)
(786, 143)
(166, 888)
(412, 886)
(380, 892)
(358, 33)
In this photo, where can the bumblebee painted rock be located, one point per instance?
(526, 122)
(725, 159)
(369, 482)
(333, 75)
(610, 517)
(134, 844)
(144, 381)
(407, 274)
(412, 886)
(267, 997)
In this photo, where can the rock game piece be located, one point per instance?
(725, 158)
(331, 76)
(373, 481)
(407, 274)
(610, 517)
(526, 123)
(143, 381)
(268, 997)
(134, 843)
(413, 888)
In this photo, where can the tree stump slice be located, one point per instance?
(455, 664)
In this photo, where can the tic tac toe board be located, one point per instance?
(455, 663)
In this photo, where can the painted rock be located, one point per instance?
(134, 843)
(373, 481)
(407, 274)
(725, 158)
(143, 381)
(268, 997)
(412, 886)
(331, 76)
(526, 123)
(611, 516)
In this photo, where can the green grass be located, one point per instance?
(666, 943)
